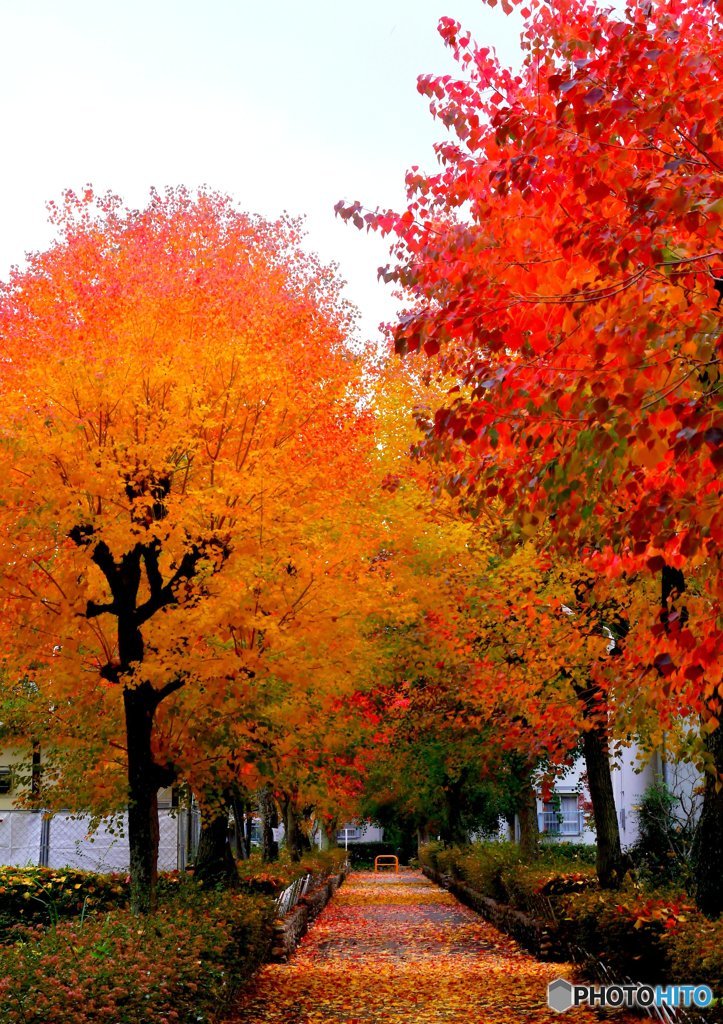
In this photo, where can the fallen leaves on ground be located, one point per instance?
(395, 949)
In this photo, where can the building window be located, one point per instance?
(352, 832)
(6, 779)
(562, 816)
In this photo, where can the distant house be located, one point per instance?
(359, 832)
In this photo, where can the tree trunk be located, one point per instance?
(423, 836)
(140, 699)
(142, 798)
(529, 831)
(708, 848)
(292, 827)
(239, 817)
(248, 827)
(36, 771)
(611, 867)
(453, 832)
(269, 821)
(214, 861)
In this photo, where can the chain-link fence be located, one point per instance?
(69, 840)
(189, 833)
(21, 837)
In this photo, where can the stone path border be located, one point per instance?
(289, 930)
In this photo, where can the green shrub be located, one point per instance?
(488, 867)
(623, 929)
(564, 854)
(323, 862)
(694, 950)
(428, 854)
(496, 870)
(662, 853)
(181, 965)
(361, 855)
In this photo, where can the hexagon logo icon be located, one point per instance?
(559, 995)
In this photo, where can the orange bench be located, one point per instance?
(386, 860)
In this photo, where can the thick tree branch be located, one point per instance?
(93, 609)
(165, 595)
(150, 557)
(168, 688)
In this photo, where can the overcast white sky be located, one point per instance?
(284, 105)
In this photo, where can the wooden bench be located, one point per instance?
(386, 860)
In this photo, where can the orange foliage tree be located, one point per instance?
(178, 433)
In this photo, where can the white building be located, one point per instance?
(568, 816)
(359, 832)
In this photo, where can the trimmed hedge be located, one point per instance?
(659, 938)
(181, 965)
(361, 855)
(496, 870)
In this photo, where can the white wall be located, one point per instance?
(363, 832)
(631, 777)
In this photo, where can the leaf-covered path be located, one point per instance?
(396, 949)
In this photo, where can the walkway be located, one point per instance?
(396, 949)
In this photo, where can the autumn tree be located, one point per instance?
(564, 266)
(178, 420)
(549, 659)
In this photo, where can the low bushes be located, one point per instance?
(64, 963)
(31, 897)
(623, 929)
(653, 937)
(696, 952)
(43, 896)
(657, 938)
(271, 879)
(181, 965)
(496, 870)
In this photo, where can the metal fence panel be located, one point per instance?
(65, 840)
(189, 834)
(73, 845)
(167, 841)
(20, 837)
(288, 899)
